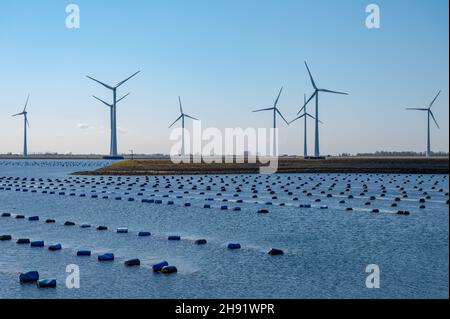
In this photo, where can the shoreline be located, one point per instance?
(286, 166)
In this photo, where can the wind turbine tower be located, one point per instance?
(26, 125)
(111, 108)
(305, 116)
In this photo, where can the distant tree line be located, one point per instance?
(394, 154)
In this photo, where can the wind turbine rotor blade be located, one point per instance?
(18, 114)
(431, 104)
(278, 97)
(181, 105)
(416, 109)
(192, 118)
(26, 104)
(176, 121)
(107, 104)
(333, 92)
(28, 123)
(296, 119)
(263, 110)
(311, 77)
(434, 119)
(307, 102)
(105, 85)
(310, 116)
(279, 113)
(301, 109)
(123, 97)
(127, 79)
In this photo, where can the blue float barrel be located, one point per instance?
(28, 277)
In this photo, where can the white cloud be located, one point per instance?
(83, 126)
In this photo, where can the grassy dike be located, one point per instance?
(412, 165)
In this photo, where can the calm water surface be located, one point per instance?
(327, 249)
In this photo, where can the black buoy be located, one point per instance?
(133, 262)
(200, 242)
(55, 247)
(169, 270)
(106, 257)
(84, 253)
(275, 252)
(47, 283)
(234, 246)
(144, 234)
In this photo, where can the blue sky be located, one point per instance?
(225, 58)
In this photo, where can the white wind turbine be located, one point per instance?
(430, 116)
(182, 118)
(26, 125)
(275, 112)
(114, 152)
(316, 95)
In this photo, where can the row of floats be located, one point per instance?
(161, 267)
